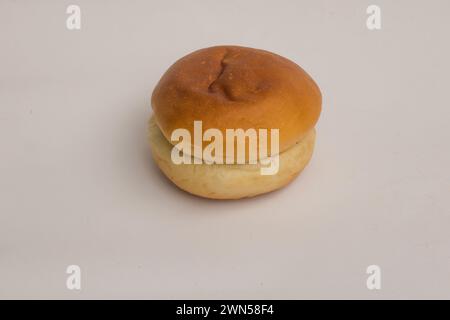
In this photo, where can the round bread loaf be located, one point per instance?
(231, 87)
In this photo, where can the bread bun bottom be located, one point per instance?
(229, 181)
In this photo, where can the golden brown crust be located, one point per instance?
(230, 87)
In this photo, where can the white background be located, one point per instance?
(78, 186)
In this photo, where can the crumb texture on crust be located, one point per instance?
(229, 181)
(230, 87)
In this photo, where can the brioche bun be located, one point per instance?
(232, 87)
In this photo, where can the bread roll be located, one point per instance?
(232, 87)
